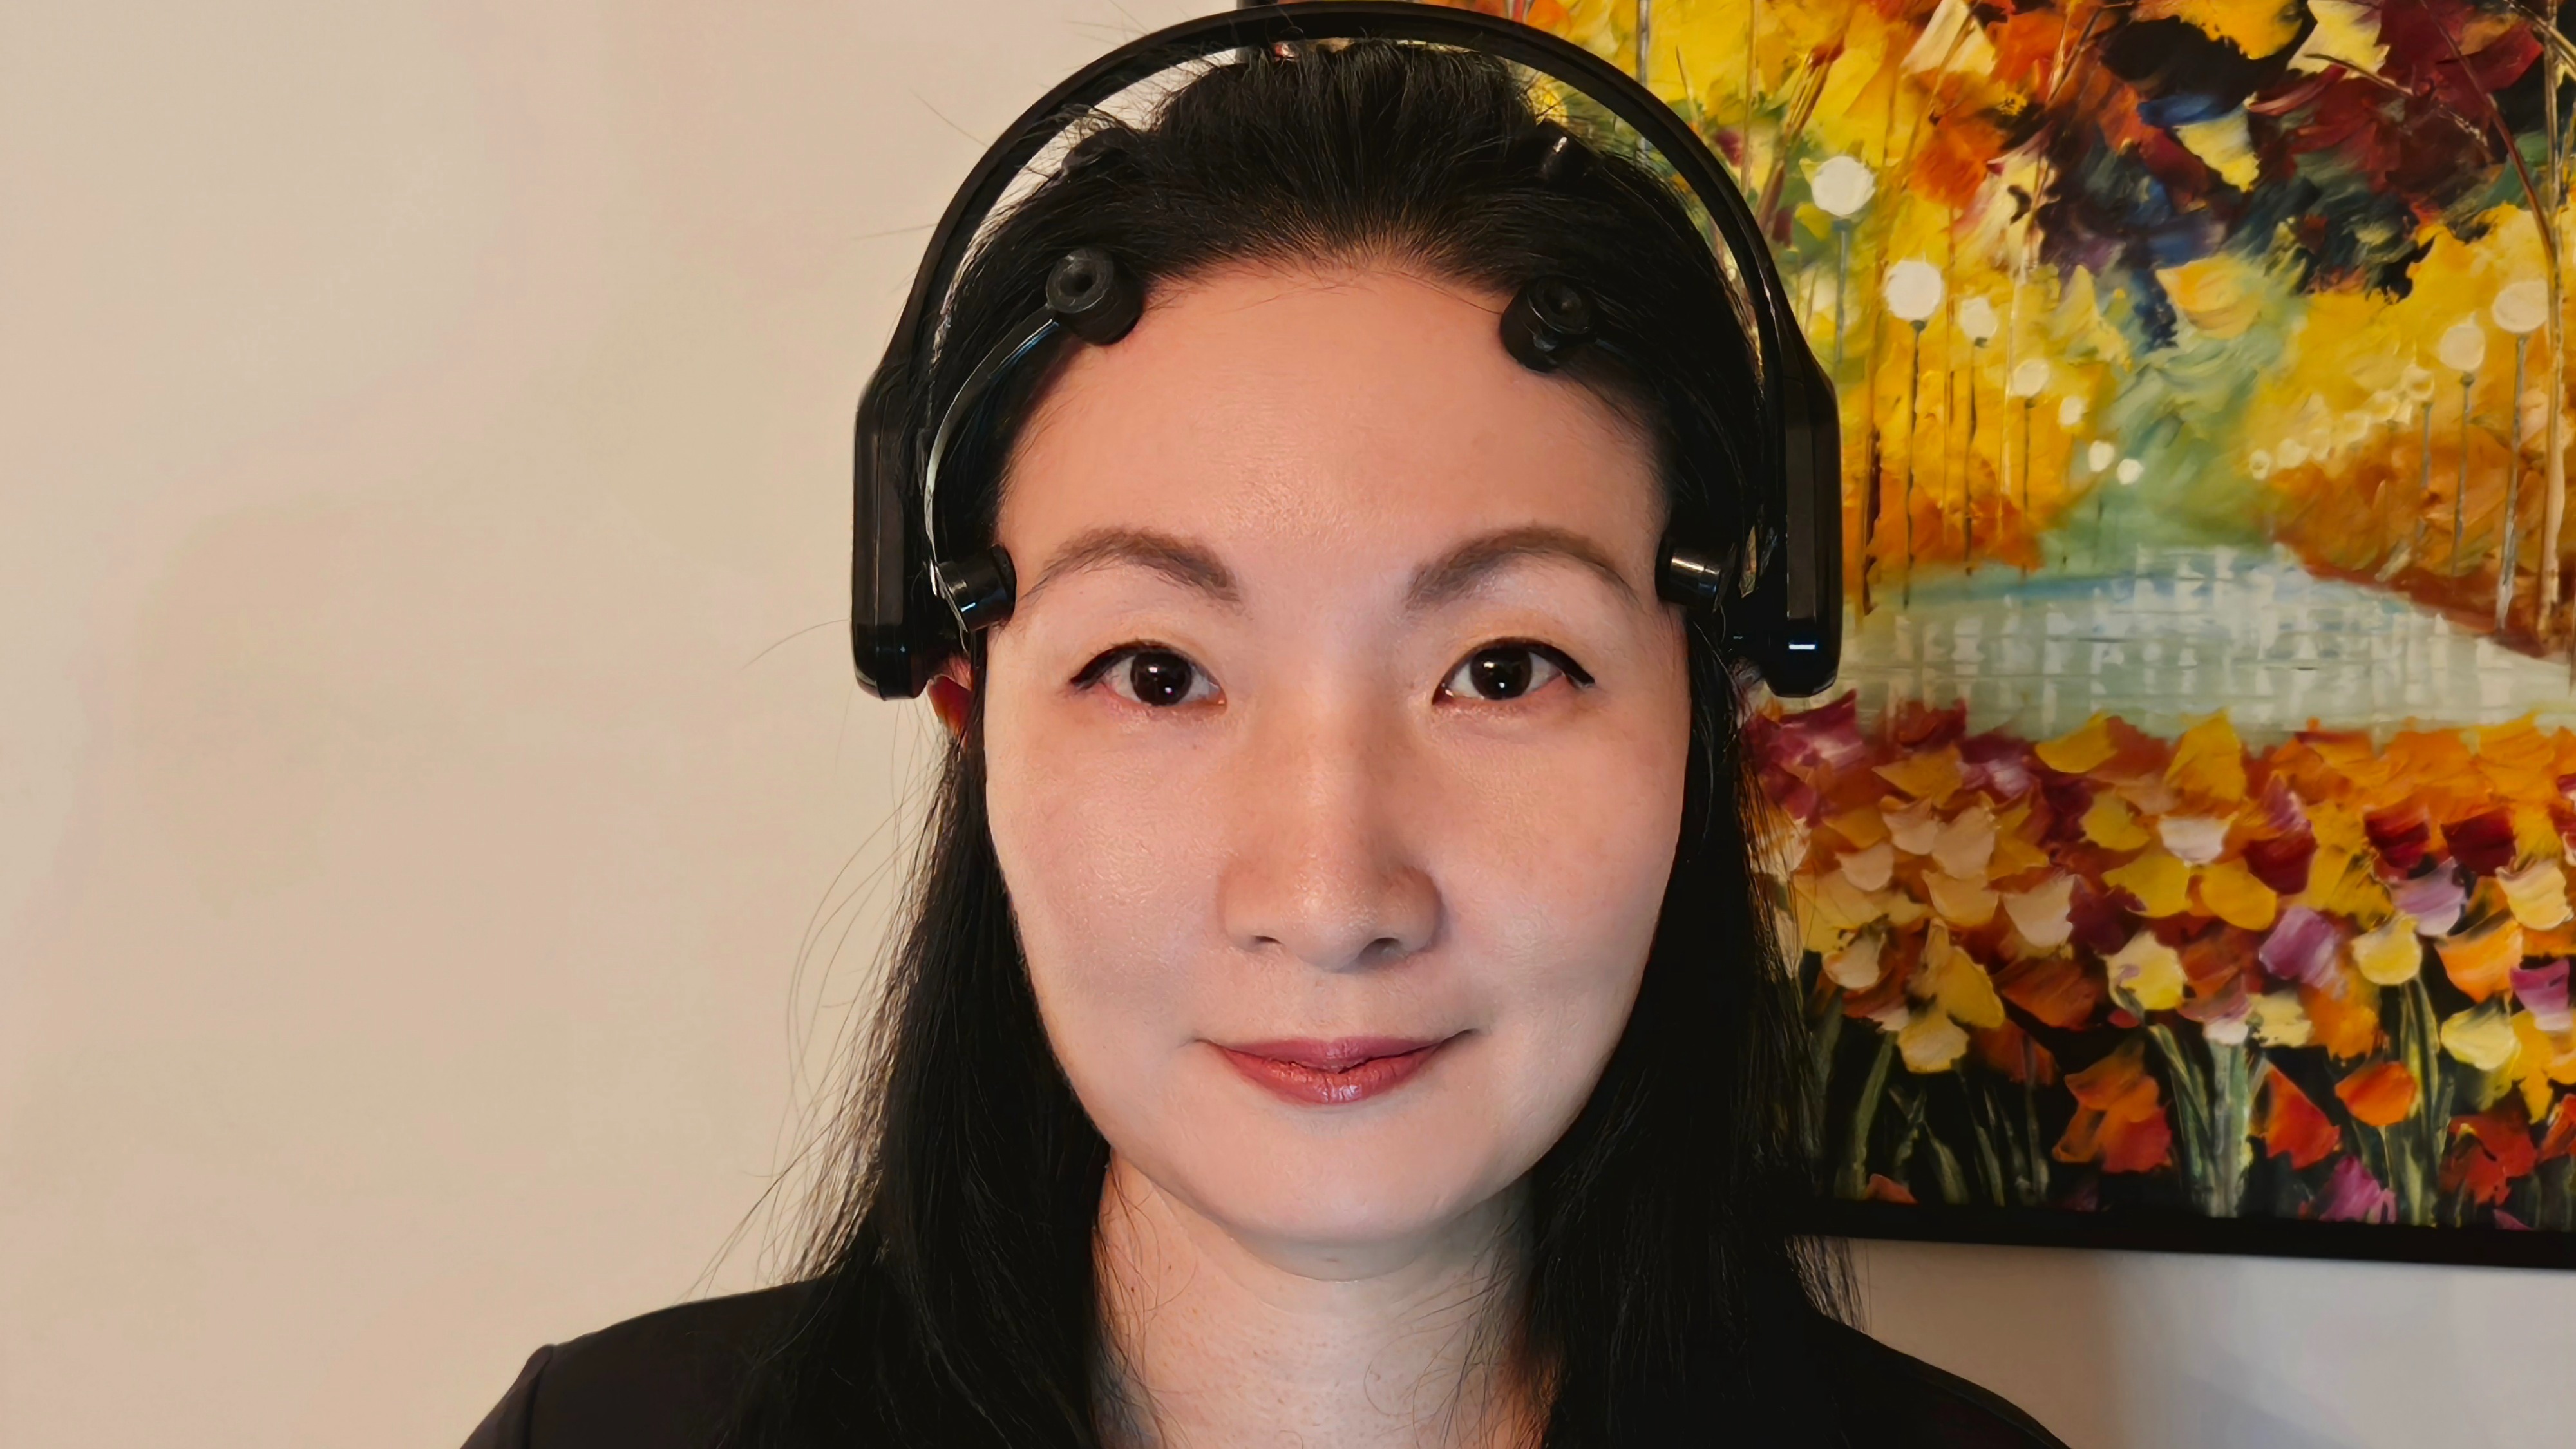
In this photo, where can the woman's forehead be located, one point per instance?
(1314, 404)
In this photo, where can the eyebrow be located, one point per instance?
(1182, 562)
(1471, 563)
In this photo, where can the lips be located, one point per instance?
(1331, 1073)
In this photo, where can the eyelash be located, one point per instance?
(1099, 671)
(1574, 674)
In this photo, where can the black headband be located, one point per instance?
(905, 604)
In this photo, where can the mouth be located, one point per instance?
(1332, 1073)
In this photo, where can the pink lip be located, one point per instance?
(1331, 1073)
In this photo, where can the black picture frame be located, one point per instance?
(2138, 1230)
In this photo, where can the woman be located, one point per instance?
(1337, 1005)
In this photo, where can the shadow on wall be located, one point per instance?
(2177, 1351)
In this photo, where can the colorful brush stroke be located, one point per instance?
(2192, 833)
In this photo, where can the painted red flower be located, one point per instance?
(2294, 1126)
(2488, 1151)
(2483, 842)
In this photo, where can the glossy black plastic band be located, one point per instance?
(1797, 488)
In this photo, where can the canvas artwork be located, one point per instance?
(2184, 858)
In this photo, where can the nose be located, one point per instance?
(1320, 868)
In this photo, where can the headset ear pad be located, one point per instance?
(890, 603)
(1806, 658)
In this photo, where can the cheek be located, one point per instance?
(1557, 881)
(1108, 869)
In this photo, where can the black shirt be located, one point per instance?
(669, 1380)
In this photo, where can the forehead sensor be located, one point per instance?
(1549, 321)
(1089, 295)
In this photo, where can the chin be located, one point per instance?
(1357, 1189)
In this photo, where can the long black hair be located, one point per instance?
(1667, 1298)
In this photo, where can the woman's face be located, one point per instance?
(1335, 750)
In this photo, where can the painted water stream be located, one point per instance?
(2185, 633)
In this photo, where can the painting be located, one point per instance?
(2183, 859)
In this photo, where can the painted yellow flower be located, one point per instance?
(2208, 764)
(2279, 1020)
(1966, 903)
(1856, 967)
(2539, 1060)
(2081, 749)
(2481, 1036)
(2388, 954)
(2111, 824)
(2230, 892)
(1930, 1042)
(1951, 992)
(2161, 883)
(2537, 895)
(2146, 975)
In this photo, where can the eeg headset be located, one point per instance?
(1778, 591)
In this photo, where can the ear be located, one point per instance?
(952, 695)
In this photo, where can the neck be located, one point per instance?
(1215, 1341)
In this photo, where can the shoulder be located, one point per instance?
(1892, 1399)
(666, 1380)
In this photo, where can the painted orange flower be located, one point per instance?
(2382, 1094)
(2560, 1140)
(2010, 1051)
(2345, 1013)
(1883, 1188)
(2292, 1125)
(2056, 989)
(2119, 1116)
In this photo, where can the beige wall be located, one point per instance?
(426, 755)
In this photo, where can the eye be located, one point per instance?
(1500, 672)
(1150, 676)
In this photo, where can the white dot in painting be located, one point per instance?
(1842, 186)
(1977, 320)
(2100, 456)
(2463, 347)
(2070, 412)
(2029, 377)
(2521, 307)
(1914, 289)
(2130, 471)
